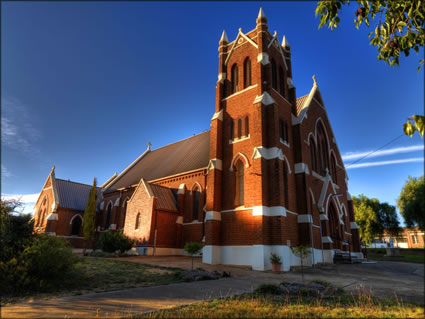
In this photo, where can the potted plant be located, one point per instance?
(276, 262)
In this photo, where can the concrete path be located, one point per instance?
(384, 279)
(128, 302)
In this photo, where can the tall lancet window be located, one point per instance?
(196, 195)
(108, 215)
(281, 82)
(239, 172)
(285, 185)
(323, 150)
(313, 157)
(333, 169)
(247, 72)
(235, 78)
(274, 75)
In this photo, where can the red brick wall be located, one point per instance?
(166, 228)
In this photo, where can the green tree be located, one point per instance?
(397, 26)
(302, 251)
(373, 217)
(412, 202)
(89, 218)
(15, 228)
(193, 249)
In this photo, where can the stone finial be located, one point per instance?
(285, 43)
(261, 14)
(314, 80)
(53, 168)
(149, 146)
(224, 37)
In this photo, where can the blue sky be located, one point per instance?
(85, 86)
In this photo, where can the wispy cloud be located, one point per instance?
(400, 161)
(17, 130)
(391, 151)
(5, 172)
(24, 198)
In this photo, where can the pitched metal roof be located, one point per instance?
(300, 103)
(74, 195)
(165, 198)
(179, 157)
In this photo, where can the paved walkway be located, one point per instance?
(384, 278)
(129, 302)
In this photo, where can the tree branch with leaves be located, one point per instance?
(399, 28)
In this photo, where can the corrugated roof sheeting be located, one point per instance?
(74, 195)
(165, 199)
(300, 103)
(183, 156)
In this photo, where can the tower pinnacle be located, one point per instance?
(224, 37)
(261, 14)
(261, 19)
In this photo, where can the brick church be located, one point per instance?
(266, 177)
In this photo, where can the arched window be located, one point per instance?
(108, 215)
(247, 72)
(283, 130)
(313, 155)
(281, 82)
(333, 169)
(239, 128)
(42, 217)
(124, 207)
(323, 150)
(196, 195)
(246, 126)
(235, 78)
(274, 75)
(76, 226)
(43, 210)
(137, 225)
(239, 192)
(333, 223)
(285, 185)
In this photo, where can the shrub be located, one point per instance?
(113, 241)
(44, 261)
(48, 258)
(269, 289)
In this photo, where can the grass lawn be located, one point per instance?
(99, 274)
(268, 306)
(408, 255)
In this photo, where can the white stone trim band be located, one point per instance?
(305, 219)
(268, 211)
(354, 225)
(212, 215)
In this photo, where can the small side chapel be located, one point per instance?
(266, 177)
